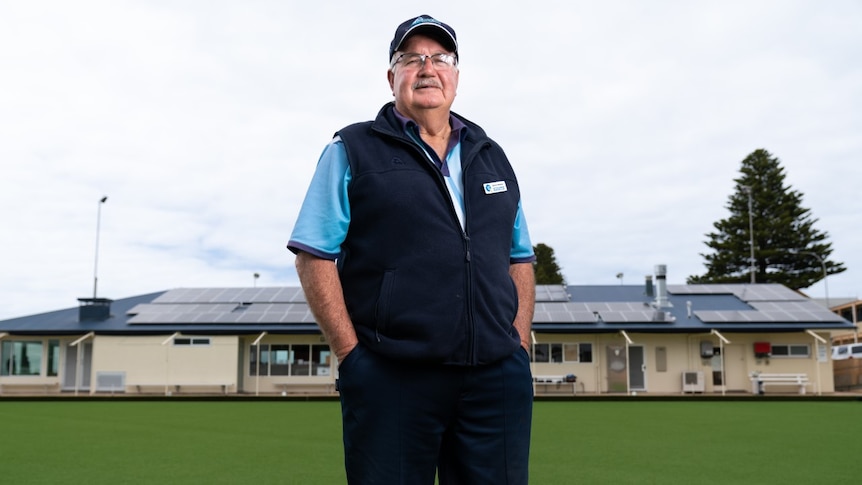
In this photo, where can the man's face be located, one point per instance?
(422, 87)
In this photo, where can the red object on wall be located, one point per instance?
(762, 348)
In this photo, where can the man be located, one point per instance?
(415, 260)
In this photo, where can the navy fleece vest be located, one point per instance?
(417, 286)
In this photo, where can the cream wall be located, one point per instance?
(586, 372)
(683, 355)
(147, 362)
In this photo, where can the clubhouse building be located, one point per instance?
(652, 338)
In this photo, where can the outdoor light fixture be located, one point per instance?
(98, 227)
(822, 265)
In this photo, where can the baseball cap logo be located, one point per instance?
(425, 20)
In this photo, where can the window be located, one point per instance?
(21, 358)
(540, 352)
(195, 341)
(290, 360)
(281, 360)
(559, 352)
(320, 357)
(53, 357)
(579, 352)
(261, 367)
(797, 351)
(585, 352)
(547, 352)
(302, 365)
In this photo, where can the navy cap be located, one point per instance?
(425, 25)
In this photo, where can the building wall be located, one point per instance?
(265, 384)
(150, 362)
(667, 356)
(145, 361)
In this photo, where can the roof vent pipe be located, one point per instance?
(661, 286)
(648, 289)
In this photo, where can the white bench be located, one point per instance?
(166, 388)
(314, 388)
(759, 381)
(557, 381)
(28, 388)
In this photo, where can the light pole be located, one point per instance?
(98, 227)
(747, 188)
(823, 266)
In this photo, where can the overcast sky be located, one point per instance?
(202, 122)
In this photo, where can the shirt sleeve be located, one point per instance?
(324, 217)
(522, 248)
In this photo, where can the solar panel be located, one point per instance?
(772, 312)
(599, 312)
(745, 292)
(551, 293)
(220, 313)
(237, 295)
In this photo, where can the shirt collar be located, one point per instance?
(459, 129)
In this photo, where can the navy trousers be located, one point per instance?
(405, 422)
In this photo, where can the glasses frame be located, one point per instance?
(440, 61)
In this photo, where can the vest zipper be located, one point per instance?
(468, 296)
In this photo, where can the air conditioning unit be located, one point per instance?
(692, 381)
(110, 381)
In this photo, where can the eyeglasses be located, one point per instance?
(412, 60)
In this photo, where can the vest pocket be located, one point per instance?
(384, 302)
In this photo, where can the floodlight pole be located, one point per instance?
(747, 189)
(98, 228)
(823, 266)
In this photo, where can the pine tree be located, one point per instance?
(787, 247)
(547, 270)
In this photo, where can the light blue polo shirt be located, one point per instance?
(324, 218)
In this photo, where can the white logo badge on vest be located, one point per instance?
(495, 187)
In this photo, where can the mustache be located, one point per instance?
(427, 82)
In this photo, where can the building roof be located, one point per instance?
(563, 309)
(684, 309)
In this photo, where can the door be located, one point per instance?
(616, 361)
(637, 368)
(75, 363)
(734, 368)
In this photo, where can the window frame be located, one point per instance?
(286, 362)
(559, 352)
(791, 351)
(11, 363)
(192, 342)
